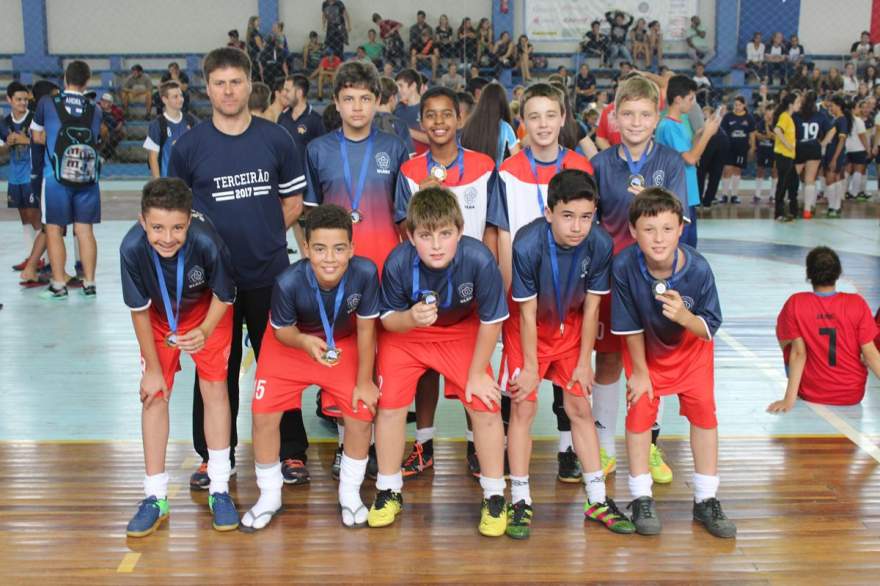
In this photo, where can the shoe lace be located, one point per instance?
(415, 455)
(641, 508)
(612, 508)
(145, 505)
(715, 507)
(495, 504)
(382, 497)
(519, 511)
(568, 457)
(656, 456)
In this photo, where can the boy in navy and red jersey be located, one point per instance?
(666, 307)
(356, 166)
(621, 173)
(442, 307)
(825, 335)
(472, 178)
(177, 281)
(561, 268)
(524, 178)
(324, 311)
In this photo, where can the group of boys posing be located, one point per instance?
(558, 256)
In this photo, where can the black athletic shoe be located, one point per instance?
(89, 291)
(473, 463)
(294, 471)
(735, 200)
(337, 464)
(644, 516)
(569, 467)
(709, 513)
(372, 463)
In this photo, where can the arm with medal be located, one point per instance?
(527, 379)
(194, 340)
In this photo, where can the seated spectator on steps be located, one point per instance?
(174, 74)
(698, 44)
(234, 41)
(595, 43)
(137, 87)
(326, 71)
(112, 126)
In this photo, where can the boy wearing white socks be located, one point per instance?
(177, 281)
(323, 316)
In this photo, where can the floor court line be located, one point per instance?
(128, 563)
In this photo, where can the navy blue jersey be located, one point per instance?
(207, 266)
(238, 182)
(412, 115)
(473, 278)
(46, 120)
(20, 154)
(843, 129)
(173, 131)
(294, 302)
(763, 143)
(663, 168)
(812, 129)
(634, 309)
(738, 129)
(583, 269)
(388, 122)
(304, 129)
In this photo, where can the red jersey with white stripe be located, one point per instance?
(834, 328)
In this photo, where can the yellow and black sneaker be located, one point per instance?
(386, 507)
(519, 520)
(493, 516)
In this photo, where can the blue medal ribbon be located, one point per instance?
(554, 269)
(355, 196)
(673, 278)
(635, 168)
(337, 303)
(459, 162)
(171, 314)
(534, 167)
(417, 291)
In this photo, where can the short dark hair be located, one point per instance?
(301, 82)
(388, 89)
(331, 118)
(137, 67)
(823, 267)
(327, 217)
(166, 193)
(409, 76)
(259, 98)
(570, 185)
(167, 86)
(440, 92)
(466, 98)
(226, 57)
(276, 85)
(43, 88)
(652, 202)
(421, 13)
(233, 33)
(14, 87)
(77, 73)
(357, 74)
(679, 86)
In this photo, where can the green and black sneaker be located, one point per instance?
(519, 520)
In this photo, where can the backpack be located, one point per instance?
(188, 118)
(75, 160)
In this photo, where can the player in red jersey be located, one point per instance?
(825, 335)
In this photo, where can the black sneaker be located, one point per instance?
(473, 463)
(53, 293)
(420, 459)
(337, 464)
(709, 513)
(735, 200)
(89, 290)
(294, 471)
(849, 196)
(199, 479)
(569, 467)
(644, 516)
(725, 199)
(372, 463)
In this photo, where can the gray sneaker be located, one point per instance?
(709, 513)
(644, 516)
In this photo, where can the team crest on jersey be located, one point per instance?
(301, 129)
(352, 302)
(195, 277)
(383, 163)
(470, 198)
(659, 177)
(688, 301)
(585, 266)
(465, 292)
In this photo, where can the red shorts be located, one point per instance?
(212, 361)
(558, 353)
(606, 342)
(404, 358)
(283, 373)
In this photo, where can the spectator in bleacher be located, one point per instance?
(711, 167)
(373, 48)
(584, 88)
(503, 53)
(452, 78)
(254, 43)
(174, 74)
(112, 126)
(774, 58)
(444, 39)
(870, 76)
(655, 43)
(850, 81)
(475, 86)
(704, 85)
(417, 30)
(862, 51)
(137, 86)
(639, 39)
(795, 54)
(280, 37)
(467, 41)
(595, 43)
(831, 83)
(423, 50)
(801, 80)
(524, 51)
(326, 71)
(565, 78)
(620, 22)
(389, 32)
(485, 40)
(234, 41)
(816, 80)
(755, 58)
(167, 128)
(273, 59)
(312, 53)
(697, 41)
(590, 118)
(489, 129)
(299, 118)
(336, 24)
(258, 102)
(385, 120)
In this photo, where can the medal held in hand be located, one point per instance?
(659, 287)
(332, 355)
(172, 314)
(428, 297)
(636, 179)
(438, 172)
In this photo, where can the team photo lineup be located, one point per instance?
(431, 216)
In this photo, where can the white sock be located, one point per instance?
(820, 184)
(492, 486)
(734, 185)
(351, 477)
(705, 487)
(425, 434)
(564, 441)
(269, 481)
(606, 404)
(640, 485)
(219, 469)
(594, 483)
(340, 431)
(759, 186)
(469, 435)
(389, 482)
(660, 411)
(856, 183)
(519, 489)
(809, 197)
(725, 185)
(835, 195)
(156, 485)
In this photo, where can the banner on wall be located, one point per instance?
(568, 20)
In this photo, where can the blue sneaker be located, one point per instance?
(223, 509)
(150, 514)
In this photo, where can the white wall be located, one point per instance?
(832, 27)
(11, 31)
(302, 16)
(151, 26)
